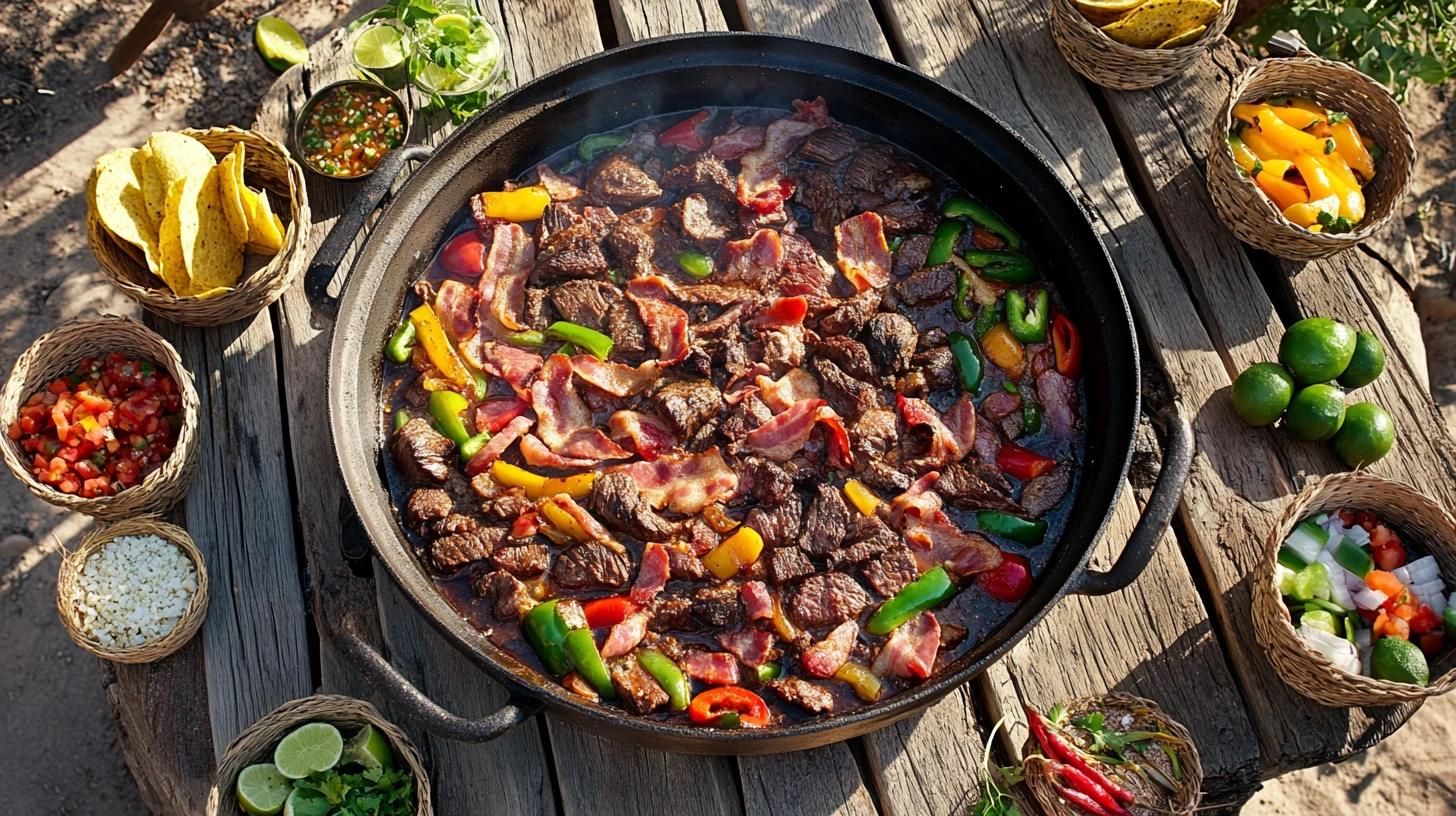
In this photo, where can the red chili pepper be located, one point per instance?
(605, 612)
(1022, 463)
(710, 706)
(684, 134)
(1059, 749)
(1010, 581)
(1084, 802)
(1068, 344)
(1089, 786)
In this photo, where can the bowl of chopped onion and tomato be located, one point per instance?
(101, 418)
(345, 129)
(1348, 598)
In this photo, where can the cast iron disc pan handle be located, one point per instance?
(402, 693)
(331, 252)
(1156, 514)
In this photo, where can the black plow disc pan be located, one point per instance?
(684, 74)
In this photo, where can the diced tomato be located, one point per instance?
(1424, 621)
(1432, 643)
(1390, 557)
(684, 134)
(15, 432)
(87, 469)
(464, 255)
(605, 612)
(68, 485)
(1367, 519)
(1346, 517)
(1384, 581)
(1405, 611)
(1390, 626)
(1369, 615)
(1008, 582)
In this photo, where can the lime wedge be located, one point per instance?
(262, 790)
(279, 43)
(452, 20)
(309, 748)
(369, 748)
(379, 48)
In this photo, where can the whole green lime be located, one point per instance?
(1398, 661)
(1317, 349)
(1262, 392)
(1367, 435)
(1367, 364)
(1316, 412)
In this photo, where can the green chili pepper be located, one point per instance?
(527, 338)
(99, 459)
(1031, 416)
(895, 244)
(989, 318)
(669, 676)
(730, 720)
(401, 343)
(445, 407)
(961, 305)
(546, 632)
(1006, 525)
(968, 361)
(582, 651)
(941, 245)
(473, 445)
(481, 383)
(962, 207)
(695, 264)
(570, 167)
(1004, 267)
(1010, 387)
(1028, 322)
(598, 142)
(925, 592)
(401, 418)
(769, 671)
(567, 349)
(593, 341)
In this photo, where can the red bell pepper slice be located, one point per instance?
(710, 706)
(684, 134)
(1010, 581)
(1022, 463)
(1068, 345)
(605, 612)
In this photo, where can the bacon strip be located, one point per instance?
(762, 185)
(559, 187)
(1059, 398)
(733, 144)
(497, 445)
(960, 423)
(936, 541)
(667, 324)
(625, 636)
(794, 386)
(587, 521)
(754, 261)
(503, 285)
(514, 365)
(537, 454)
(825, 658)
(803, 271)
(756, 600)
(559, 409)
(684, 482)
(782, 313)
(864, 257)
(749, 645)
(785, 435)
(456, 304)
(614, 378)
(911, 649)
(840, 455)
(646, 434)
(918, 413)
(494, 414)
(918, 500)
(713, 668)
(652, 574)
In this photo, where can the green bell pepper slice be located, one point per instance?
(598, 344)
(989, 318)
(1349, 555)
(669, 676)
(961, 305)
(581, 650)
(925, 592)
(943, 243)
(696, 264)
(445, 407)
(1010, 527)
(963, 207)
(1031, 416)
(1312, 582)
(546, 632)
(1001, 266)
(401, 418)
(473, 445)
(402, 343)
(1448, 618)
(1321, 620)
(527, 338)
(1028, 321)
(769, 671)
(598, 143)
(968, 362)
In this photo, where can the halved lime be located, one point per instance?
(369, 748)
(379, 47)
(262, 790)
(308, 748)
(279, 43)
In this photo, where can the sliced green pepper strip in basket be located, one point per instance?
(581, 650)
(925, 592)
(598, 344)
(1002, 266)
(963, 207)
(943, 242)
(1028, 321)
(669, 676)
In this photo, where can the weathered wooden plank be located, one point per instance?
(601, 777)
(642, 19)
(929, 764)
(846, 23)
(544, 34)
(823, 780)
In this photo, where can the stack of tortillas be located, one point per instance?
(1151, 23)
(185, 215)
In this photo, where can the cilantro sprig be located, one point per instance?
(374, 792)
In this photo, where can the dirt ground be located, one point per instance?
(58, 111)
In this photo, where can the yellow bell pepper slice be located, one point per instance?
(1284, 194)
(1316, 178)
(1352, 148)
(1262, 147)
(1299, 118)
(736, 552)
(442, 355)
(524, 204)
(1352, 198)
(540, 487)
(563, 520)
(1306, 104)
(1307, 215)
(1243, 156)
(577, 486)
(1002, 348)
(786, 629)
(864, 682)
(861, 497)
(1282, 135)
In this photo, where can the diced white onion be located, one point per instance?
(1362, 638)
(1339, 593)
(1436, 602)
(1369, 599)
(1423, 570)
(1402, 574)
(1334, 540)
(1357, 534)
(1341, 653)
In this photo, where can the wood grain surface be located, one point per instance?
(846, 23)
(643, 19)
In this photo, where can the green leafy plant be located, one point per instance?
(1393, 41)
(375, 792)
(449, 48)
(408, 12)
(996, 799)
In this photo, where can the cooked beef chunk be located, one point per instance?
(850, 398)
(525, 561)
(910, 257)
(803, 694)
(904, 217)
(637, 691)
(585, 302)
(869, 528)
(422, 454)
(826, 522)
(871, 168)
(939, 368)
(619, 504)
(632, 245)
(830, 145)
(557, 217)
(571, 253)
(671, 613)
(892, 571)
(952, 635)
(1040, 495)
(890, 339)
(591, 565)
(875, 433)
(847, 559)
(824, 198)
(999, 405)
(788, 564)
(777, 525)
(686, 404)
(579, 686)
(698, 534)
(507, 507)
(880, 475)
(746, 416)
(718, 606)
(682, 565)
(707, 174)
(851, 315)
(1012, 426)
(703, 220)
(461, 541)
(990, 474)
(512, 599)
(926, 287)
(772, 485)
(967, 491)
(826, 599)
(617, 181)
(427, 505)
(628, 332)
(705, 437)
(849, 354)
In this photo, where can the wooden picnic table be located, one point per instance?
(1206, 307)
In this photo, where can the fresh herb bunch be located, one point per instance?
(1393, 41)
(408, 12)
(448, 48)
(375, 792)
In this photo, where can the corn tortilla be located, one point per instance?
(121, 205)
(265, 230)
(1158, 21)
(213, 258)
(232, 198)
(168, 157)
(1188, 37)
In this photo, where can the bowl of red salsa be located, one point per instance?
(97, 421)
(347, 127)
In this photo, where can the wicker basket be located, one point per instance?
(152, 650)
(1112, 64)
(256, 743)
(1182, 802)
(268, 166)
(1251, 216)
(55, 355)
(1299, 665)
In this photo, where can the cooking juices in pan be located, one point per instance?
(734, 417)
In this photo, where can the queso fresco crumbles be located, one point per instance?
(350, 130)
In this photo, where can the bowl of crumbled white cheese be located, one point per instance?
(133, 591)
